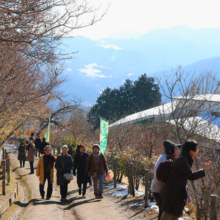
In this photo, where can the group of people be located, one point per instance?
(87, 168)
(28, 148)
(172, 195)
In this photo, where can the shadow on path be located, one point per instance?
(81, 203)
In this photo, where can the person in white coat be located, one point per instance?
(171, 151)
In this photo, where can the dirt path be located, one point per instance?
(77, 208)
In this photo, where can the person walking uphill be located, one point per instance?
(97, 168)
(42, 146)
(45, 171)
(171, 151)
(37, 143)
(31, 152)
(173, 195)
(22, 153)
(80, 162)
(63, 165)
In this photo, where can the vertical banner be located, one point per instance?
(47, 135)
(103, 134)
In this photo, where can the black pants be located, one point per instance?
(32, 166)
(156, 196)
(84, 187)
(21, 163)
(49, 187)
(63, 190)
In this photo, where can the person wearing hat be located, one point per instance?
(63, 165)
(173, 194)
(171, 151)
(97, 168)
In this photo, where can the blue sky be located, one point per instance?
(146, 15)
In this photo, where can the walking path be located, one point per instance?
(76, 208)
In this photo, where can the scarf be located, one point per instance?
(51, 161)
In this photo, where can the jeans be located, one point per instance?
(99, 179)
(49, 187)
(156, 196)
(167, 216)
(63, 190)
(32, 166)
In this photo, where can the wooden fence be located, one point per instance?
(5, 169)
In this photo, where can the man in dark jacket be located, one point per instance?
(38, 143)
(42, 146)
(80, 162)
(64, 164)
(173, 194)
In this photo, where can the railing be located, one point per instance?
(5, 166)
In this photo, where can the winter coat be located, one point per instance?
(31, 152)
(80, 163)
(173, 193)
(22, 152)
(40, 170)
(64, 164)
(42, 146)
(37, 143)
(156, 185)
(103, 167)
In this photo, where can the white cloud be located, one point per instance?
(90, 72)
(110, 76)
(69, 69)
(109, 46)
(130, 74)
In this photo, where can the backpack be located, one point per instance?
(164, 170)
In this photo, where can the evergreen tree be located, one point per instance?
(129, 98)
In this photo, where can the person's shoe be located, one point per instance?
(61, 200)
(48, 198)
(100, 196)
(42, 197)
(80, 191)
(20, 166)
(65, 200)
(84, 196)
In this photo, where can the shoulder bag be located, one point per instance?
(67, 176)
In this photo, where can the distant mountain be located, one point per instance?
(107, 62)
(125, 34)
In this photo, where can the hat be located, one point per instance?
(96, 145)
(65, 147)
(168, 145)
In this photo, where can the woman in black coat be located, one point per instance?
(63, 165)
(173, 194)
(80, 163)
(22, 153)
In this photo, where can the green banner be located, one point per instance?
(103, 134)
(47, 135)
